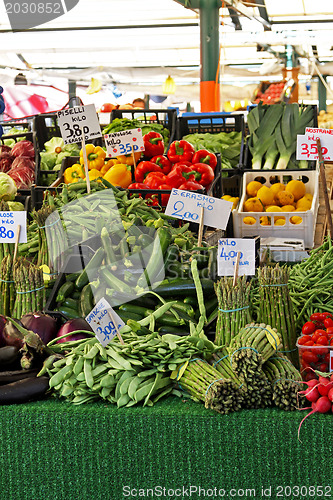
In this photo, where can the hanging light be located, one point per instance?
(169, 86)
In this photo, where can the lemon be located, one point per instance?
(235, 201)
(265, 221)
(284, 198)
(252, 188)
(279, 221)
(265, 195)
(252, 205)
(304, 203)
(226, 197)
(308, 196)
(249, 220)
(277, 187)
(295, 219)
(296, 188)
(287, 208)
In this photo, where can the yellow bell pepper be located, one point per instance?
(128, 159)
(107, 166)
(95, 156)
(94, 174)
(73, 174)
(118, 175)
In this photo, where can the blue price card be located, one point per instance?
(103, 323)
(9, 222)
(227, 251)
(186, 205)
(124, 142)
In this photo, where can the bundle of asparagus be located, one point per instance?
(5, 248)
(233, 313)
(276, 307)
(29, 284)
(205, 383)
(285, 380)
(7, 289)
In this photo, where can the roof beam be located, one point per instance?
(241, 9)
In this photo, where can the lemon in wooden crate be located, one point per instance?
(296, 188)
(284, 198)
(265, 195)
(252, 188)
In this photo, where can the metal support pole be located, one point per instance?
(322, 94)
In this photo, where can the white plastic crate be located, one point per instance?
(304, 231)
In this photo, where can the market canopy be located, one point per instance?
(140, 43)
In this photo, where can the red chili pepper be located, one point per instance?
(164, 197)
(191, 186)
(205, 156)
(203, 173)
(143, 168)
(154, 179)
(153, 144)
(179, 175)
(138, 185)
(180, 150)
(163, 162)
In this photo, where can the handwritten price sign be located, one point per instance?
(124, 142)
(100, 321)
(8, 226)
(186, 205)
(74, 122)
(307, 144)
(227, 254)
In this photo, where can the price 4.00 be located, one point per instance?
(232, 254)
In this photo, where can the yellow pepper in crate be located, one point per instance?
(73, 173)
(118, 175)
(94, 174)
(128, 159)
(107, 166)
(95, 156)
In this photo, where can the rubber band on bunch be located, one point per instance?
(240, 349)
(277, 284)
(210, 385)
(217, 362)
(233, 310)
(30, 291)
(7, 281)
(49, 225)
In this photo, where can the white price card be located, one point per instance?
(8, 226)
(307, 145)
(100, 321)
(74, 122)
(227, 251)
(186, 205)
(124, 142)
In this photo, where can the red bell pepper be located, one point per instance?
(138, 185)
(180, 150)
(188, 163)
(180, 174)
(204, 174)
(154, 179)
(163, 162)
(191, 186)
(153, 144)
(205, 156)
(143, 168)
(164, 197)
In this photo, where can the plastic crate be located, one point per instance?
(165, 117)
(20, 125)
(247, 164)
(321, 354)
(304, 231)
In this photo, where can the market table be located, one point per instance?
(55, 450)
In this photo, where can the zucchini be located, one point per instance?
(184, 308)
(114, 283)
(191, 300)
(173, 329)
(183, 287)
(94, 263)
(128, 315)
(140, 310)
(69, 302)
(168, 319)
(64, 291)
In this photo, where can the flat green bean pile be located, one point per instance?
(136, 372)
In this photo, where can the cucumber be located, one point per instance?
(191, 300)
(86, 300)
(94, 263)
(168, 319)
(114, 283)
(64, 291)
(161, 242)
(68, 312)
(184, 287)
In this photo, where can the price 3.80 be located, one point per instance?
(75, 130)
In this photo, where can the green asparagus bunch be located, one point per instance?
(7, 289)
(234, 312)
(29, 285)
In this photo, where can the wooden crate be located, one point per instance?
(321, 225)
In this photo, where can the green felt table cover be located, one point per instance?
(55, 450)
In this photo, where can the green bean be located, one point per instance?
(88, 373)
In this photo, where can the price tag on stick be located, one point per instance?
(17, 237)
(124, 143)
(236, 257)
(104, 321)
(79, 121)
(85, 159)
(187, 205)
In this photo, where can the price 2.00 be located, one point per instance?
(178, 212)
